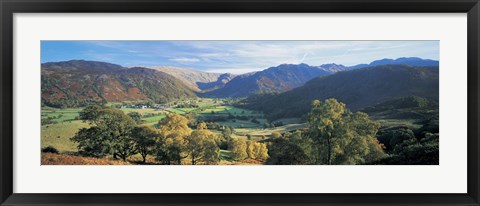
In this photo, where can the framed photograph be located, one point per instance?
(239, 102)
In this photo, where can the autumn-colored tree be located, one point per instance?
(276, 135)
(251, 149)
(342, 137)
(174, 126)
(257, 150)
(239, 149)
(261, 151)
(201, 145)
(173, 130)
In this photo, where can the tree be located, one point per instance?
(169, 151)
(239, 149)
(325, 125)
(195, 146)
(226, 139)
(110, 133)
(251, 149)
(342, 137)
(92, 142)
(144, 138)
(212, 153)
(173, 126)
(136, 117)
(261, 151)
(201, 145)
(291, 150)
(415, 152)
(399, 136)
(257, 150)
(173, 130)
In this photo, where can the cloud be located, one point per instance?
(236, 56)
(184, 60)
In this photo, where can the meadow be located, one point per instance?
(58, 135)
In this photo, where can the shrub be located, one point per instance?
(50, 149)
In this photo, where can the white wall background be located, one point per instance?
(448, 177)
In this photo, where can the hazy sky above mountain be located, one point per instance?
(235, 56)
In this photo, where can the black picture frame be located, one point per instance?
(10, 7)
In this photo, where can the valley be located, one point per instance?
(236, 119)
(59, 125)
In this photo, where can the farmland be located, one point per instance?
(206, 110)
(246, 125)
(63, 124)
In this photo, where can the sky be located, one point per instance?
(235, 56)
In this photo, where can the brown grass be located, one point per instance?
(64, 159)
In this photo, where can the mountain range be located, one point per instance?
(78, 82)
(272, 80)
(412, 61)
(286, 77)
(356, 88)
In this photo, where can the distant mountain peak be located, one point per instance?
(412, 61)
(331, 65)
(275, 79)
(195, 79)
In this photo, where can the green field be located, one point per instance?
(226, 110)
(180, 110)
(60, 115)
(58, 135)
(153, 119)
(205, 102)
(141, 111)
(66, 115)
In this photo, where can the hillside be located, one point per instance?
(357, 89)
(272, 80)
(332, 67)
(197, 80)
(221, 81)
(78, 82)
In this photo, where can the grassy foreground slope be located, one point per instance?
(65, 159)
